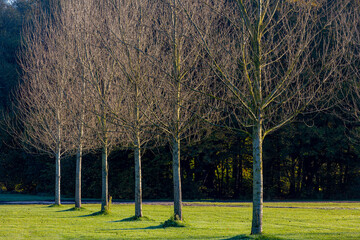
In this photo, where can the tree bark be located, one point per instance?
(105, 173)
(138, 187)
(80, 149)
(177, 180)
(78, 177)
(257, 180)
(57, 163)
(57, 177)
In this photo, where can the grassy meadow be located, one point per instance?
(307, 220)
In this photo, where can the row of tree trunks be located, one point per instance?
(253, 58)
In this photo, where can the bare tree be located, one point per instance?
(274, 59)
(354, 56)
(75, 19)
(99, 75)
(131, 36)
(40, 104)
(54, 81)
(176, 107)
(348, 25)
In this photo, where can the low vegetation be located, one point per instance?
(306, 220)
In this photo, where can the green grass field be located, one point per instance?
(306, 220)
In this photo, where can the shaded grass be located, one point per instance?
(232, 223)
(259, 237)
(74, 209)
(173, 222)
(99, 213)
(55, 205)
(77, 209)
(135, 218)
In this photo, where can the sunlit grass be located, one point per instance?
(306, 221)
(294, 204)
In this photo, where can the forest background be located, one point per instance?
(315, 157)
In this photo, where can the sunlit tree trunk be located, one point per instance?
(57, 176)
(104, 158)
(80, 147)
(138, 187)
(78, 170)
(177, 179)
(137, 154)
(58, 161)
(176, 45)
(105, 176)
(257, 180)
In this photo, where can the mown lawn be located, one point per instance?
(297, 221)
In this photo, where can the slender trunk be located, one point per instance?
(257, 180)
(57, 163)
(177, 180)
(137, 143)
(138, 188)
(104, 156)
(78, 177)
(256, 227)
(57, 176)
(176, 138)
(105, 173)
(80, 149)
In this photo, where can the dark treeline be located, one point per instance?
(314, 158)
(300, 162)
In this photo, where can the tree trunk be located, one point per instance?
(177, 180)
(57, 163)
(257, 180)
(57, 177)
(138, 188)
(105, 173)
(80, 149)
(78, 177)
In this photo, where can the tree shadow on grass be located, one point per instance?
(145, 228)
(134, 219)
(54, 206)
(74, 209)
(166, 224)
(101, 213)
(242, 237)
(253, 237)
